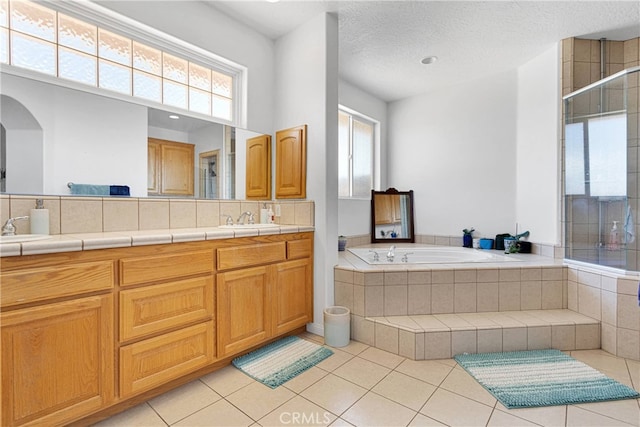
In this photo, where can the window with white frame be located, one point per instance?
(36, 37)
(356, 143)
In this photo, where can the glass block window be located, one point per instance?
(38, 38)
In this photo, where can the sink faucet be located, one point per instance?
(8, 229)
(392, 253)
(243, 214)
(229, 220)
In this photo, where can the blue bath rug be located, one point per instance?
(526, 379)
(278, 362)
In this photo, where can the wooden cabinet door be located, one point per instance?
(243, 308)
(177, 169)
(171, 168)
(258, 170)
(153, 167)
(57, 361)
(384, 209)
(291, 163)
(293, 295)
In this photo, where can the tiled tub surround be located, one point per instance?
(83, 223)
(436, 311)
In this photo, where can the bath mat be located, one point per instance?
(278, 362)
(525, 379)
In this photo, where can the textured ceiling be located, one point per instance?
(381, 43)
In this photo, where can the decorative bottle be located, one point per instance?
(614, 237)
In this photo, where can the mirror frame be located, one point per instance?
(410, 227)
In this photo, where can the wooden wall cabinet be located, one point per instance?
(258, 170)
(291, 163)
(170, 168)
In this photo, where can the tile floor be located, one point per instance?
(363, 386)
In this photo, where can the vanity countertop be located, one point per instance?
(120, 239)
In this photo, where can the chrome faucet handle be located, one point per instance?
(8, 229)
(405, 257)
(229, 219)
(376, 257)
(252, 219)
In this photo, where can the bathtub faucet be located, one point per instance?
(392, 253)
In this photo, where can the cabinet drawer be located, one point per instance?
(250, 255)
(134, 271)
(156, 361)
(299, 249)
(38, 284)
(155, 308)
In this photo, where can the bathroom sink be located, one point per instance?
(250, 226)
(20, 238)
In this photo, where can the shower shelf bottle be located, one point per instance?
(614, 237)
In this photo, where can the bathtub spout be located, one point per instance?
(392, 253)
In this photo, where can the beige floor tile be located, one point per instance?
(298, 412)
(257, 400)
(227, 380)
(578, 417)
(334, 393)
(634, 372)
(305, 379)
(362, 372)
(502, 419)
(426, 370)
(382, 357)
(337, 359)
(552, 416)
(183, 401)
(354, 347)
(374, 410)
(313, 337)
(601, 360)
(422, 421)
(220, 414)
(623, 410)
(405, 390)
(138, 416)
(447, 408)
(340, 423)
(460, 382)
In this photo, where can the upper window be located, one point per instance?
(356, 142)
(35, 37)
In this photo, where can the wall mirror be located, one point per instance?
(392, 216)
(54, 135)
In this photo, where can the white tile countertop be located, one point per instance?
(120, 239)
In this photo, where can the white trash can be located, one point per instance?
(337, 326)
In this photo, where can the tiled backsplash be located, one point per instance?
(75, 214)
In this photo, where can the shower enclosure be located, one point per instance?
(600, 172)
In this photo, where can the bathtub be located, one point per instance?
(430, 255)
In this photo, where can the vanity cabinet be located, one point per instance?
(271, 297)
(89, 332)
(170, 168)
(173, 314)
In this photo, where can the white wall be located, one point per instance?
(215, 32)
(456, 148)
(354, 216)
(307, 93)
(537, 162)
(25, 159)
(87, 139)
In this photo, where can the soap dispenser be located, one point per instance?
(264, 214)
(39, 218)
